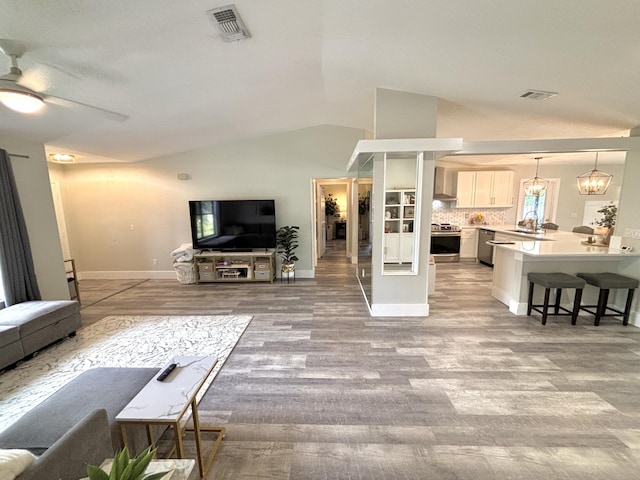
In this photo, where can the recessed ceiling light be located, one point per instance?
(62, 157)
(538, 95)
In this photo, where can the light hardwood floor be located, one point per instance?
(317, 389)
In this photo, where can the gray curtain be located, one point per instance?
(16, 262)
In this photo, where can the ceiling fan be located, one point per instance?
(25, 100)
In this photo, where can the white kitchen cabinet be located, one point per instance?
(485, 188)
(502, 188)
(468, 243)
(466, 189)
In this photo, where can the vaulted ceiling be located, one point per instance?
(164, 64)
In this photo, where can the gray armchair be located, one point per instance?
(583, 229)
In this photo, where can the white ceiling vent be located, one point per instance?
(229, 23)
(538, 95)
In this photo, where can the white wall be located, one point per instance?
(34, 189)
(103, 201)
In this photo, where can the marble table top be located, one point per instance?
(167, 401)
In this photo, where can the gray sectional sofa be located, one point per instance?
(76, 425)
(27, 327)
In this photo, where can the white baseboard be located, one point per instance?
(127, 275)
(400, 310)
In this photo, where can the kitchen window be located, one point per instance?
(544, 207)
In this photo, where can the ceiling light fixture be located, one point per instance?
(594, 182)
(62, 157)
(536, 185)
(12, 95)
(20, 99)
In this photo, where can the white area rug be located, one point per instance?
(118, 341)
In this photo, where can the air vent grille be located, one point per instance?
(229, 23)
(538, 95)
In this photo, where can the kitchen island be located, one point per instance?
(552, 251)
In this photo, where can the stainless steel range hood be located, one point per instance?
(444, 187)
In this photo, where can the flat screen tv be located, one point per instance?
(233, 225)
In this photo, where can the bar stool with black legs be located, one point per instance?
(558, 281)
(607, 281)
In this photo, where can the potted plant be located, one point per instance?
(330, 206)
(287, 242)
(126, 468)
(608, 220)
(363, 203)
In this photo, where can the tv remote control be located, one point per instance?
(165, 373)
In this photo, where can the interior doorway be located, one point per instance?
(333, 218)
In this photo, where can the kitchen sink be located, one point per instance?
(538, 235)
(529, 232)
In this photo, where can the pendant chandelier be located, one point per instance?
(536, 185)
(594, 182)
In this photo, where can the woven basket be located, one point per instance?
(186, 272)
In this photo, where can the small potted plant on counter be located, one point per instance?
(608, 220)
(287, 242)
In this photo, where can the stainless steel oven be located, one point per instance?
(445, 242)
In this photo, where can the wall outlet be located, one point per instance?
(632, 232)
(132, 226)
(155, 261)
(573, 215)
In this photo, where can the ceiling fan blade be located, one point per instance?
(64, 102)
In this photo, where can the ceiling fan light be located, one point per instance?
(22, 102)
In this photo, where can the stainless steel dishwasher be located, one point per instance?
(485, 252)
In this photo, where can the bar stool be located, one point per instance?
(558, 281)
(605, 282)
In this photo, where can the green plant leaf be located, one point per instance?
(126, 473)
(96, 473)
(120, 462)
(141, 462)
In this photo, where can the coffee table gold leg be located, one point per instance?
(196, 430)
(216, 444)
(177, 431)
(150, 438)
(123, 435)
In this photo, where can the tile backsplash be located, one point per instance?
(443, 213)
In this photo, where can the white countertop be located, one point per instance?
(553, 243)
